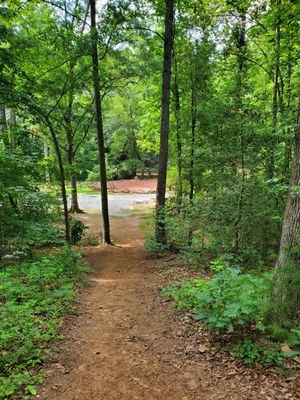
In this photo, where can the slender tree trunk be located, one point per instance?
(240, 204)
(285, 299)
(271, 158)
(74, 208)
(133, 149)
(62, 179)
(241, 47)
(164, 127)
(46, 155)
(99, 123)
(3, 126)
(13, 126)
(192, 155)
(178, 135)
(288, 142)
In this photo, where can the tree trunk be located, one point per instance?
(271, 158)
(13, 125)
(164, 127)
(46, 155)
(62, 179)
(74, 208)
(133, 148)
(285, 298)
(288, 145)
(241, 70)
(70, 148)
(3, 126)
(192, 155)
(99, 123)
(178, 136)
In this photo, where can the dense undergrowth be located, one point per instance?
(35, 296)
(232, 304)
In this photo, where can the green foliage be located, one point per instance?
(284, 308)
(212, 220)
(34, 298)
(228, 302)
(186, 294)
(232, 302)
(77, 228)
(294, 338)
(153, 246)
(26, 214)
(252, 353)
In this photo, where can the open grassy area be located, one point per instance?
(84, 188)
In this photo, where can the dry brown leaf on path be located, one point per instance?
(203, 348)
(285, 348)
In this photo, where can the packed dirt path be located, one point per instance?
(126, 343)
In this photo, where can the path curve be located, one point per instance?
(127, 344)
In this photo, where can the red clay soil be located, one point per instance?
(127, 343)
(130, 186)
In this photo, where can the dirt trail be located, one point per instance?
(127, 344)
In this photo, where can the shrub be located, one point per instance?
(34, 298)
(77, 228)
(252, 352)
(153, 246)
(186, 294)
(228, 301)
(232, 300)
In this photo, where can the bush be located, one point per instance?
(186, 295)
(26, 214)
(77, 228)
(121, 170)
(94, 174)
(34, 298)
(153, 246)
(227, 302)
(252, 353)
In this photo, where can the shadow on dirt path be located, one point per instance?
(125, 344)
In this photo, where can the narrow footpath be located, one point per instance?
(126, 343)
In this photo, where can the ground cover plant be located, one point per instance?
(35, 296)
(234, 304)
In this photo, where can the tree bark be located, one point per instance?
(285, 298)
(192, 155)
(133, 148)
(288, 145)
(178, 135)
(74, 208)
(62, 179)
(13, 125)
(164, 127)
(99, 123)
(3, 126)
(240, 76)
(46, 155)
(271, 158)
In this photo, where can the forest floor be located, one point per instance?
(127, 343)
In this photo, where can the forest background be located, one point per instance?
(227, 104)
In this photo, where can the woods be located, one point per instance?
(205, 96)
